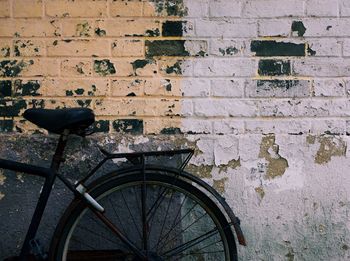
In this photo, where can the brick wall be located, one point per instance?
(260, 88)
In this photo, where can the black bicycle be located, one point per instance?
(138, 212)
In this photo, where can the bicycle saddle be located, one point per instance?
(56, 121)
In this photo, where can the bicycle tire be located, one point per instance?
(79, 222)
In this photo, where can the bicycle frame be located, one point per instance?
(138, 158)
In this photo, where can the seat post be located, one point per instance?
(61, 145)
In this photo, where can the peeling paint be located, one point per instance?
(260, 190)
(330, 147)
(219, 184)
(202, 171)
(298, 28)
(269, 150)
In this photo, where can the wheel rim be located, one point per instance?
(179, 226)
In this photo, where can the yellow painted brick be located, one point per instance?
(145, 67)
(77, 28)
(77, 8)
(126, 8)
(99, 47)
(163, 87)
(29, 28)
(27, 8)
(123, 87)
(5, 8)
(127, 27)
(156, 125)
(30, 67)
(149, 9)
(109, 68)
(68, 103)
(5, 48)
(29, 47)
(136, 107)
(128, 48)
(75, 68)
(75, 87)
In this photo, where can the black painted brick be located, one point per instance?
(273, 48)
(130, 126)
(172, 28)
(166, 48)
(6, 125)
(5, 88)
(274, 67)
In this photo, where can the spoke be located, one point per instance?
(116, 213)
(132, 217)
(168, 234)
(183, 230)
(199, 253)
(97, 234)
(164, 220)
(189, 244)
(80, 242)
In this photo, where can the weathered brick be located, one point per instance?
(195, 87)
(298, 28)
(114, 67)
(128, 48)
(225, 8)
(224, 108)
(32, 67)
(269, 67)
(344, 6)
(324, 47)
(132, 107)
(220, 47)
(5, 48)
(329, 87)
(6, 125)
(326, 27)
(27, 8)
(101, 126)
(277, 126)
(277, 88)
(76, 67)
(75, 87)
(161, 125)
(163, 87)
(274, 27)
(126, 8)
(29, 48)
(175, 67)
(176, 48)
(274, 48)
(227, 88)
(273, 8)
(129, 126)
(329, 126)
(228, 127)
(197, 8)
(144, 67)
(173, 28)
(77, 8)
(346, 47)
(78, 28)
(165, 8)
(29, 28)
(5, 88)
(128, 87)
(98, 47)
(27, 88)
(322, 8)
(127, 27)
(224, 67)
(226, 28)
(11, 107)
(331, 67)
(5, 8)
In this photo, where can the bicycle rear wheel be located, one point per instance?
(175, 221)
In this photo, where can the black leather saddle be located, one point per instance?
(56, 121)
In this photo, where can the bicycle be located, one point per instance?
(139, 212)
